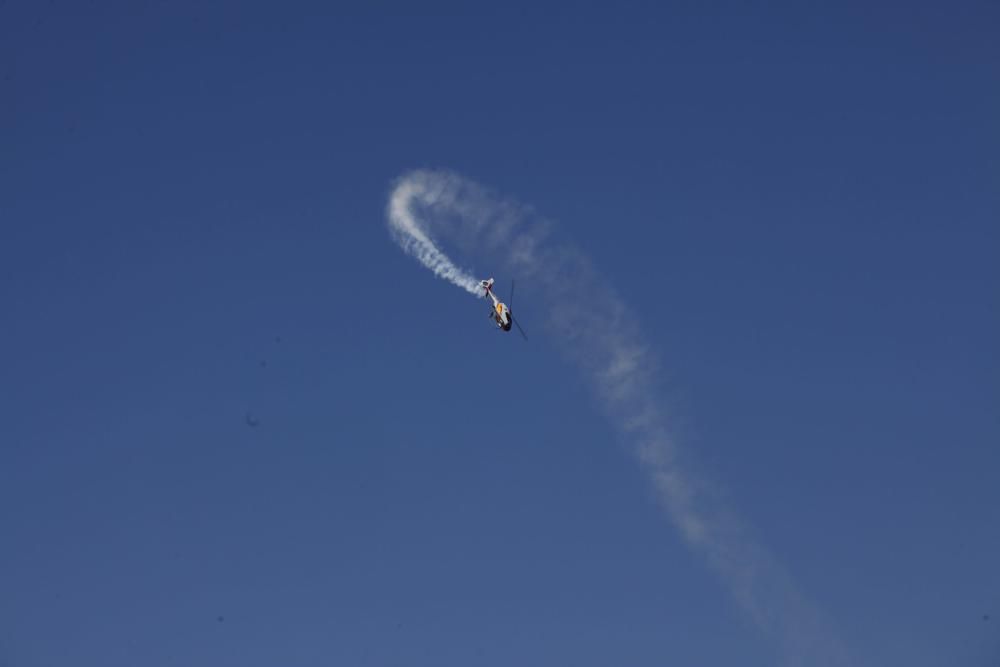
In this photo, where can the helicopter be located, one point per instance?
(500, 312)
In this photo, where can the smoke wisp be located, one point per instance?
(427, 206)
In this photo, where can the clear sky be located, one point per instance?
(240, 427)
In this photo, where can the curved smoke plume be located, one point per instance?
(429, 205)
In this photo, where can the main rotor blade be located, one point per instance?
(519, 327)
(511, 303)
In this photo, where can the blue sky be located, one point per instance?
(798, 203)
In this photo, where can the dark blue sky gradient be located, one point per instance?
(800, 202)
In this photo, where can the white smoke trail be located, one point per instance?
(615, 358)
(411, 234)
